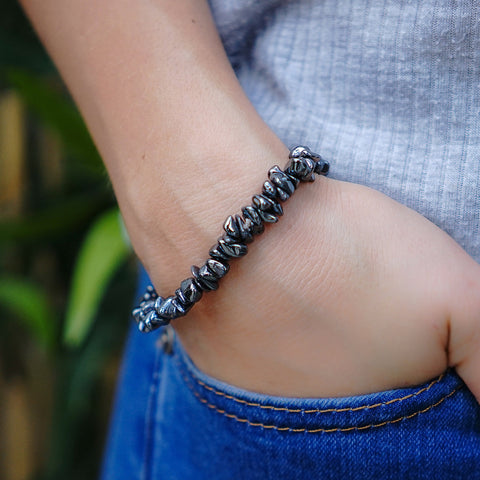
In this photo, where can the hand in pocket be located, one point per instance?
(349, 293)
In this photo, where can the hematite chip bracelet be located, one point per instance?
(155, 311)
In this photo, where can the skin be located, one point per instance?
(349, 293)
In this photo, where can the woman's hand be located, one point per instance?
(350, 292)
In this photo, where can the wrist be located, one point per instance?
(174, 227)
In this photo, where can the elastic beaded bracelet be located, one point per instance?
(155, 311)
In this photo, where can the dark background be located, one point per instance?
(67, 274)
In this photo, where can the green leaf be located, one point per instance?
(102, 253)
(55, 110)
(30, 304)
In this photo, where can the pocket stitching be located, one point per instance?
(150, 413)
(310, 411)
(314, 430)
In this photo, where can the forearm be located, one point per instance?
(172, 124)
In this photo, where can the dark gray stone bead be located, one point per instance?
(158, 303)
(264, 204)
(296, 167)
(300, 151)
(151, 322)
(228, 239)
(206, 273)
(142, 327)
(246, 228)
(268, 217)
(190, 290)
(147, 306)
(234, 250)
(277, 210)
(208, 285)
(280, 179)
(206, 281)
(322, 167)
(261, 202)
(179, 308)
(302, 168)
(311, 170)
(182, 300)
(218, 254)
(218, 269)
(166, 309)
(293, 179)
(198, 285)
(304, 152)
(269, 190)
(252, 214)
(231, 227)
(282, 195)
(178, 293)
(239, 230)
(137, 314)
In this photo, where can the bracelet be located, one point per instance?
(155, 311)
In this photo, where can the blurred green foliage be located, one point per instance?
(36, 313)
(67, 276)
(102, 252)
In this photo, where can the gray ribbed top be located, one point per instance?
(388, 91)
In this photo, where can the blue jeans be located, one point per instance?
(171, 421)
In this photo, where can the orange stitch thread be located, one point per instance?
(314, 430)
(299, 410)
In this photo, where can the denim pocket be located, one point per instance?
(219, 431)
(315, 415)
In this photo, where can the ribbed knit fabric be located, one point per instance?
(387, 90)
